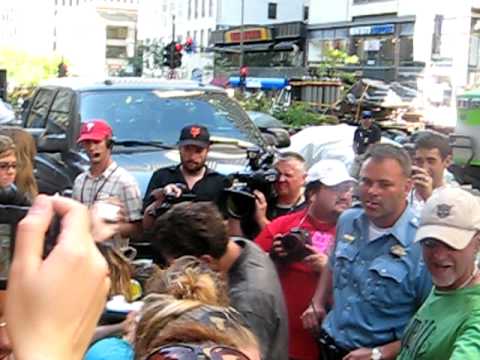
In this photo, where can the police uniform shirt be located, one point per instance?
(208, 188)
(364, 137)
(378, 284)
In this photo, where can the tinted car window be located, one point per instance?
(159, 115)
(58, 118)
(40, 106)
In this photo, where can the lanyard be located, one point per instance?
(99, 189)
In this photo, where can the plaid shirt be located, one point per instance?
(115, 181)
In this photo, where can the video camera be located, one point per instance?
(171, 199)
(13, 208)
(239, 200)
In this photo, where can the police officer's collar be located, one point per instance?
(400, 230)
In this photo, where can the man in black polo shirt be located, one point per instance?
(191, 176)
(367, 134)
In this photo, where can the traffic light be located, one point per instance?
(168, 54)
(62, 69)
(172, 55)
(177, 56)
(188, 45)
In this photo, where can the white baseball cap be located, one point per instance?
(452, 216)
(329, 172)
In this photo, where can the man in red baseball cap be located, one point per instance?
(106, 182)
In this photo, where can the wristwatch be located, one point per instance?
(376, 354)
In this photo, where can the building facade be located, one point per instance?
(431, 44)
(200, 19)
(96, 37)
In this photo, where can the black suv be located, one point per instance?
(146, 116)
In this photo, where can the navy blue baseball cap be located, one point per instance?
(367, 114)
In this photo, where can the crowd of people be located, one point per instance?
(374, 262)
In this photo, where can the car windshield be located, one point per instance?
(159, 115)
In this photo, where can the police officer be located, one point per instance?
(191, 176)
(367, 134)
(376, 274)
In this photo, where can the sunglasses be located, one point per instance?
(6, 166)
(196, 352)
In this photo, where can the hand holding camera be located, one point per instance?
(422, 181)
(317, 261)
(292, 246)
(53, 305)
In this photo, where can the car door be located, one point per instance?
(51, 111)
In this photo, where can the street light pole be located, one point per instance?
(242, 14)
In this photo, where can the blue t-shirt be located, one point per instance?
(110, 348)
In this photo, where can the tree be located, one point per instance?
(27, 69)
(332, 61)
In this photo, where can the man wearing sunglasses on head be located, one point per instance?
(447, 326)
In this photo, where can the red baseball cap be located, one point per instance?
(95, 129)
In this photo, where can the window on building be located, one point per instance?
(195, 8)
(209, 34)
(203, 8)
(202, 44)
(195, 36)
(117, 32)
(306, 10)
(272, 10)
(373, 50)
(70, 2)
(189, 11)
(116, 52)
(474, 53)
(327, 40)
(437, 35)
(210, 8)
(188, 34)
(406, 44)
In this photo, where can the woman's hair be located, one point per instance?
(189, 278)
(25, 150)
(166, 320)
(120, 271)
(6, 145)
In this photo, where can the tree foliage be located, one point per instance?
(27, 69)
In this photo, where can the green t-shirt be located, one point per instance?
(447, 326)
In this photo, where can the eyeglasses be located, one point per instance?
(196, 352)
(342, 187)
(6, 166)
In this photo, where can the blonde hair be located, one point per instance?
(120, 271)
(25, 151)
(6, 146)
(165, 320)
(189, 278)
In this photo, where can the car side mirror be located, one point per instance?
(281, 136)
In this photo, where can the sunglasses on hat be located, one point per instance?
(197, 352)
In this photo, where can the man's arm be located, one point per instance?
(389, 352)
(466, 344)
(130, 229)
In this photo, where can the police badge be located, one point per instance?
(443, 210)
